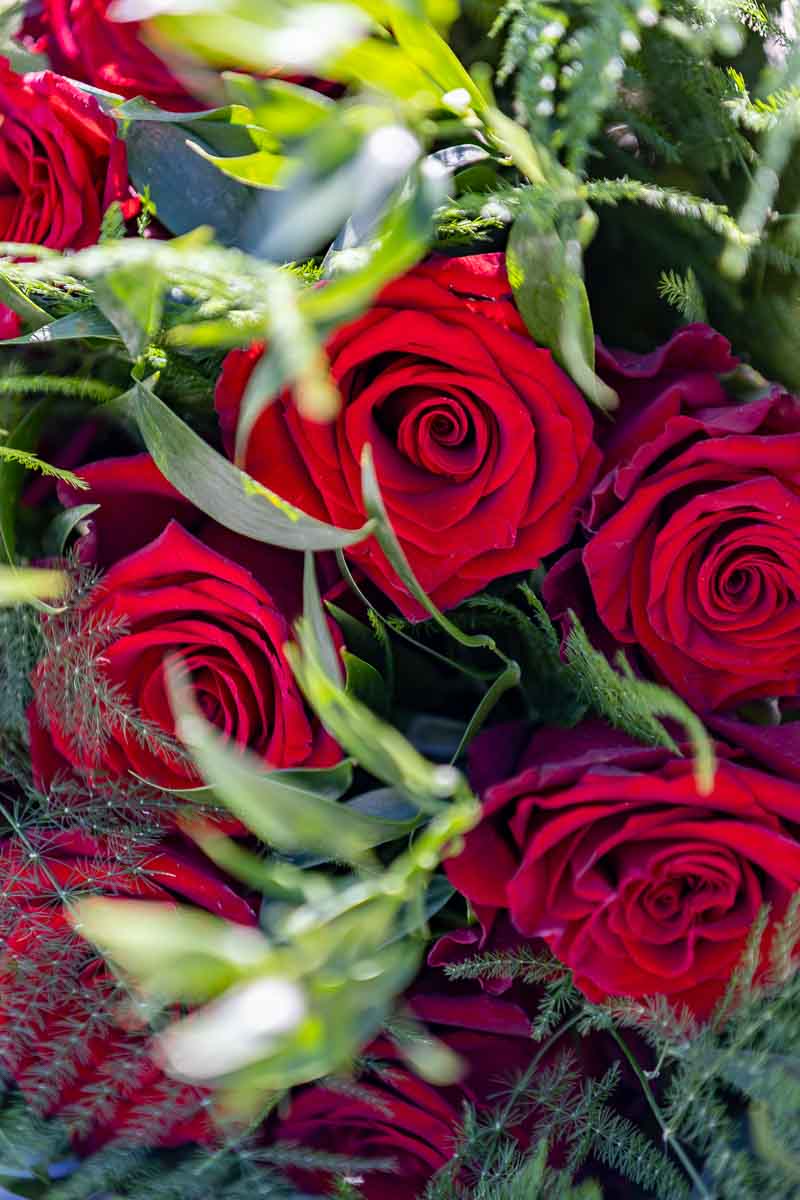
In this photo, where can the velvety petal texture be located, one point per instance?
(606, 850)
(176, 583)
(483, 447)
(82, 41)
(694, 548)
(61, 162)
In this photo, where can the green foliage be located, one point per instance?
(683, 293)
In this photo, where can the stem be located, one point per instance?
(666, 1133)
(529, 1071)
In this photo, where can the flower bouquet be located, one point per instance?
(400, 606)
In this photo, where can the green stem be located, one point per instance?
(669, 1139)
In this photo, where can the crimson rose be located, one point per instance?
(61, 162)
(606, 850)
(483, 447)
(80, 40)
(397, 1116)
(200, 595)
(61, 1036)
(694, 553)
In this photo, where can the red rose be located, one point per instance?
(61, 162)
(177, 595)
(81, 41)
(397, 1116)
(61, 1036)
(694, 554)
(606, 850)
(483, 447)
(10, 324)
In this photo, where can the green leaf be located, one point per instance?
(293, 357)
(287, 110)
(264, 34)
(365, 683)
(429, 51)
(24, 585)
(374, 744)
(220, 489)
(15, 299)
(78, 325)
(260, 169)
(312, 606)
(140, 109)
(279, 807)
(186, 189)
(550, 293)
(133, 301)
(401, 240)
(63, 526)
(174, 952)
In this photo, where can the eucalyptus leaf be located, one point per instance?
(220, 489)
(186, 189)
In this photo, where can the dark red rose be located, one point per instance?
(482, 446)
(81, 41)
(61, 162)
(62, 1036)
(606, 850)
(177, 595)
(10, 324)
(397, 1116)
(694, 550)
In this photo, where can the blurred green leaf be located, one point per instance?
(220, 489)
(266, 34)
(174, 952)
(429, 51)
(23, 585)
(259, 169)
(401, 239)
(133, 301)
(283, 808)
(293, 357)
(285, 109)
(85, 324)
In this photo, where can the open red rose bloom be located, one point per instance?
(400, 600)
(482, 445)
